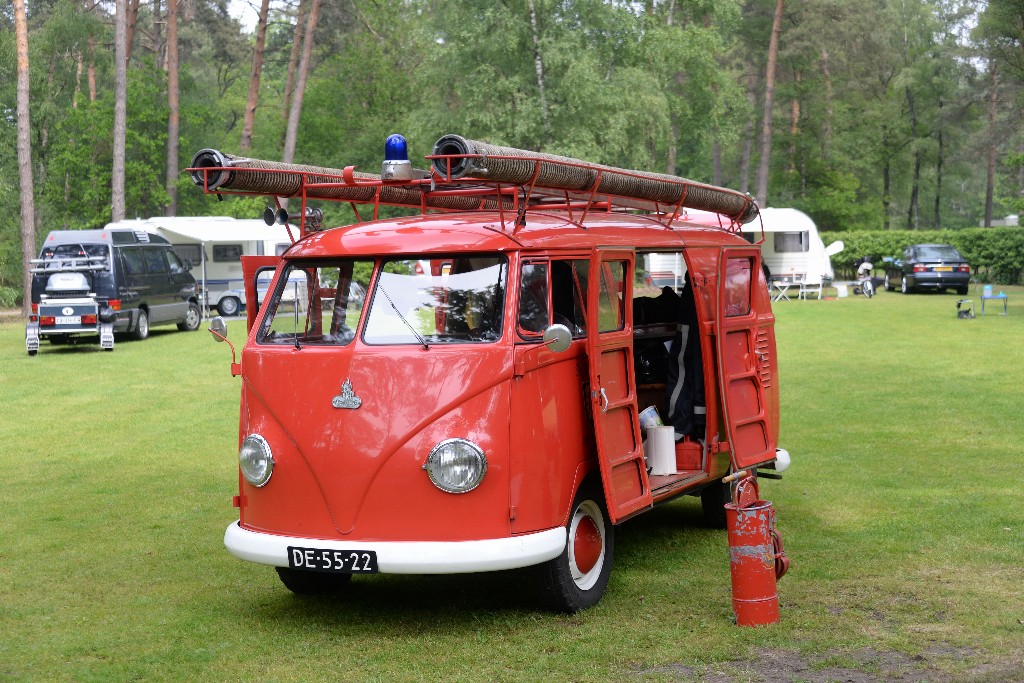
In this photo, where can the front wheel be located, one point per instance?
(576, 579)
(303, 582)
(192, 319)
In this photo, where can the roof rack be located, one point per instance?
(67, 264)
(467, 175)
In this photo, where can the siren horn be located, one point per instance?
(313, 216)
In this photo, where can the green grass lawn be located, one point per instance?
(903, 514)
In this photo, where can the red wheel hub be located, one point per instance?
(586, 545)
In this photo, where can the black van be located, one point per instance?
(106, 281)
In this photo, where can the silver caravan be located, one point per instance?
(214, 245)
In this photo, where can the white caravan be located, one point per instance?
(792, 246)
(792, 249)
(214, 245)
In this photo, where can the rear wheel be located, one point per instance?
(303, 582)
(712, 501)
(961, 290)
(888, 285)
(904, 287)
(576, 579)
(141, 330)
(192, 319)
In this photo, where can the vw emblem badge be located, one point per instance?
(67, 310)
(347, 398)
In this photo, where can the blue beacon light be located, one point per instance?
(396, 164)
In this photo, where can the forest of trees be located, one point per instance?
(866, 114)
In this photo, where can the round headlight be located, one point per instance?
(255, 460)
(456, 465)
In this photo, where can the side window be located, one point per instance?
(533, 299)
(736, 288)
(155, 262)
(188, 252)
(174, 263)
(227, 252)
(611, 311)
(786, 242)
(134, 263)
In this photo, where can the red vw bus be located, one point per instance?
(460, 390)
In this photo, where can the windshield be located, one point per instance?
(317, 303)
(453, 300)
(938, 252)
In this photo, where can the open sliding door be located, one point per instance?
(613, 383)
(740, 361)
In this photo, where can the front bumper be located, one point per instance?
(409, 557)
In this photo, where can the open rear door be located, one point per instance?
(613, 383)
(265, 267)
(747, 422)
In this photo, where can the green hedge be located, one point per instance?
(995, 254)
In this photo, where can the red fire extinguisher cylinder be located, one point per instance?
(756, 558)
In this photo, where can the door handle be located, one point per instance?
(604, 401)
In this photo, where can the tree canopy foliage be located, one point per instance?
(884, 110)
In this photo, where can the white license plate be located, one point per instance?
(68, 320)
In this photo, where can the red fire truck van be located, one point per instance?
(491, 382)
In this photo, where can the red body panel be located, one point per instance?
(363, 467)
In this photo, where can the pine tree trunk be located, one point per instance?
(794, 124)
(764, 163)
(292, 132)
(133, 20)
(990, 183)
(826, 124)
(940, 157)
(172, 105)
(120, 111)
(91, 69)
(913, 211)
(293, 59)
(539, 67)
(158, 39)
(254, 77)
(28, 206)
(748, 131)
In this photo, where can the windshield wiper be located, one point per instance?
(401, 317)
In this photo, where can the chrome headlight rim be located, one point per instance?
(259, 474)
(437, 471)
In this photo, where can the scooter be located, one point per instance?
(864, 284)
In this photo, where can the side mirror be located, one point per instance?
(219, 329)
(557, 338)
(188, 265)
